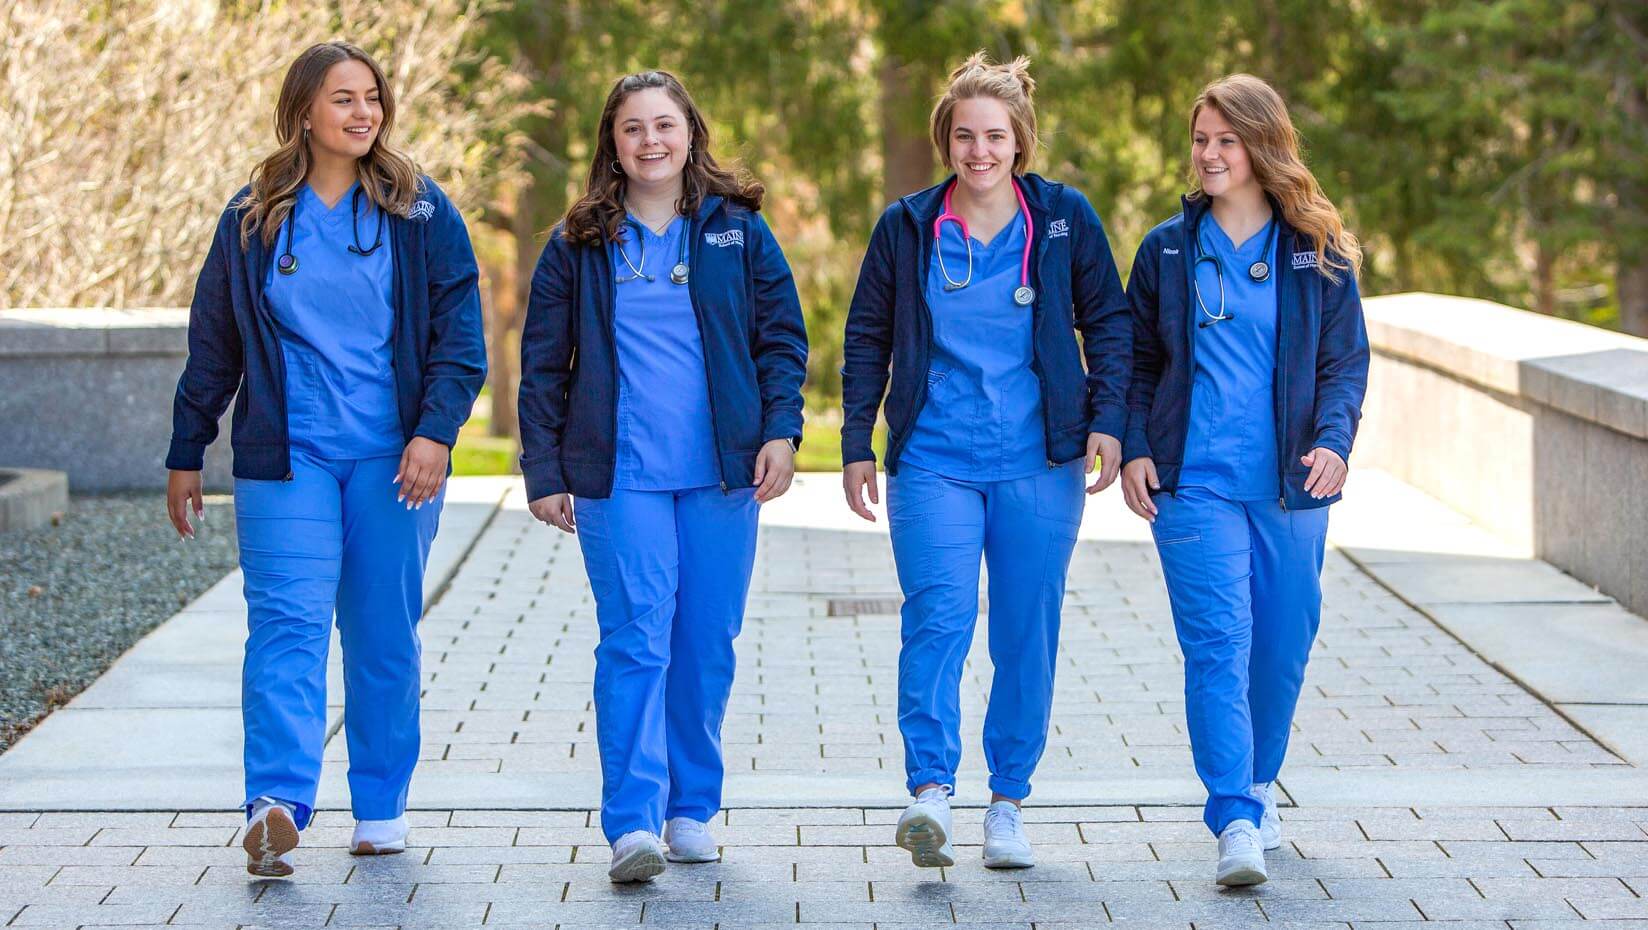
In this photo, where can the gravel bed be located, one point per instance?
(73, 597)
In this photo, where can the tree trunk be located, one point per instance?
(503, 359)
(1631, 280)
(1545, 279)
(1630, 178)
(906, 153)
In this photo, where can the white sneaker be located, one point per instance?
(378, 837)
(637, 856)
(1241, 860)
(1005, 845)
(271, 835)
(689, 841)
(1270, 825)
(924, 829)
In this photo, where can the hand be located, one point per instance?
(422, 471)
(854, 478)
(1138, 480)
(774, 470)
(1327, 472)
(556, 510)
(182, 495)
(1108, 450)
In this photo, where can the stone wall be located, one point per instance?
(1533, 426)
(89, 392)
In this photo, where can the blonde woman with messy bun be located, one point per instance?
(1250, 362)
(972, 293)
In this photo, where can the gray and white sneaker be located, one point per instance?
(271, 835)
(378, 837)
(637, 856)
(1005, 845)
(1270, 825)
(1241, 860)
(689, 841)
(924, 829)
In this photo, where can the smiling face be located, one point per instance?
(1219, 155)
(344, 119)
(652, 137)
(982, 143)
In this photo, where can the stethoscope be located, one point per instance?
(1024, 295)
(287, 263)
(678, 274)
(1259, 272)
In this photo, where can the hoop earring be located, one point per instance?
(616, 168)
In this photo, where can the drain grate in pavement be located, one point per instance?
(858, 606)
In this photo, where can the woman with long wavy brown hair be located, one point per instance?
(1250, 360)
(339, 308)
(661, 370)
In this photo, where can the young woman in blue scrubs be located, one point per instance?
(339, 303)
(1250, 362)
(973, 291)
(661, 371)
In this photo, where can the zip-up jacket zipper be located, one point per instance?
(692, 229)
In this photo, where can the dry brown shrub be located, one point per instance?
(125, 127)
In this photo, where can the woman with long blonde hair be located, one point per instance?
(339, 308)
(1250, 360)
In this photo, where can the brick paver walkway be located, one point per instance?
(505, 835)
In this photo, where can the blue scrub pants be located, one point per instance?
(1025, 530)
(333, 539)
(1244, 579)
(670, 571)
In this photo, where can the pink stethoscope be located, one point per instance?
(1024, 295)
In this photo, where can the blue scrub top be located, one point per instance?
(666, 441)
(1231, 445)
(982, 420)
(335, 316)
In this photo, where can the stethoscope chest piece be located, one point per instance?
(1258, 271)
(287, 264)
(678, 274)
(1024, 296)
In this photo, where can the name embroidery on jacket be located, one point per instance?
(724, 239)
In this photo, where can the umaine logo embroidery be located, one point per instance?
(1304, 259)
(724, 239)
(422, 210)
(1058, 228)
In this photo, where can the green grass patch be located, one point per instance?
(821, 447)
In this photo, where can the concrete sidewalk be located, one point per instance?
(1433, 777)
